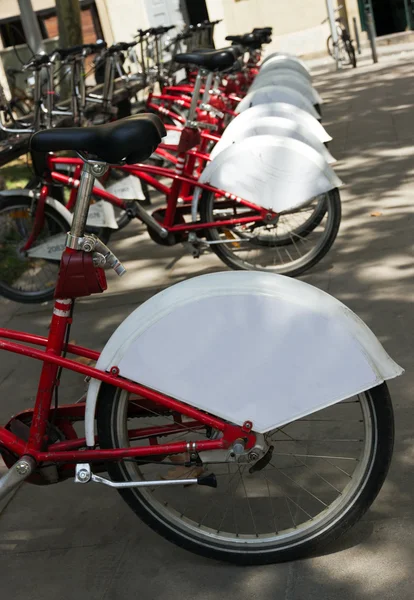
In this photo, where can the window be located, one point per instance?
(12, 34)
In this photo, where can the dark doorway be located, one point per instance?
(390, 16)
(197, 11)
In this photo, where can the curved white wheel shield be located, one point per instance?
(271, 93)
(287, 60)
(246, 346)
(277, 173)
(279, 109)
(277, 126)
(288, 79)
(283, 69)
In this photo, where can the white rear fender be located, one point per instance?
(277, 126)
(279, 109)
(278, 173)
(271, 93)
(288, 79)
(246, 346)
(280, 71)
(282, 60)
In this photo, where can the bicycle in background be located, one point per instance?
(346, 50)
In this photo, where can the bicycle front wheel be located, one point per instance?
(22, 278)
(324, 472)
(290, 245)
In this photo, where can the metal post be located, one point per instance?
(31, 26)
(334, 31)
(357, 40)
(407, 4)
(371, 33)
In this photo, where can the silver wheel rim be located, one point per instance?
(279, 540)
(284, 258)
(41, 272)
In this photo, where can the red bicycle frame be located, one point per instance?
(37, 444)
(167, 100)
(183, 183)
(52, 350)
(70, 286)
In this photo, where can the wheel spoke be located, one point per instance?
(298, 485)
(299, 491)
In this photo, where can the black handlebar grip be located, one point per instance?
(37, 60)
(96, 47)
(65, 52)
(120, 46)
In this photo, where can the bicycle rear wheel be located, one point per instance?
(324, 472)
(290, 245)
(351, 53)
(330, 46)
(343, 52)
(22, 278)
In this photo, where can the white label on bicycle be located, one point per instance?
(51, 249)
(129, 188)
(172, 138)
(102, 214)
(180, 75)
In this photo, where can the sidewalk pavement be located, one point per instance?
(70, 542)
(393, 51)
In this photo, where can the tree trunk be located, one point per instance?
(70, 34)
(69, 21)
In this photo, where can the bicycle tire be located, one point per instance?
(227, 252)
(351, 53)
(12, 264)
(329, 46)
(167, 521)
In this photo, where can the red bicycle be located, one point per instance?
(194, 407)
(243, 234)
(219, 100)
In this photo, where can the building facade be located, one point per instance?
(297, 24)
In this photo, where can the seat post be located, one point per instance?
(207, 88)
(90, 170)
(196, 94)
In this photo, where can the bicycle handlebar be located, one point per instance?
(156, 30)
(11, 72)
(37, 61)
(335, 10)
(64, 53)
(259, 30)
(120, 46)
